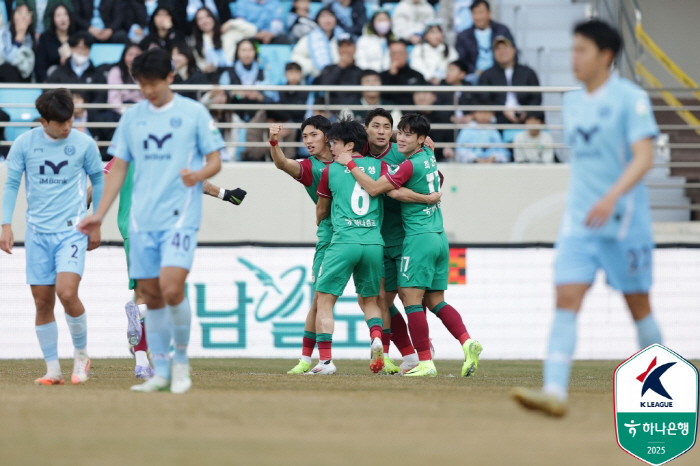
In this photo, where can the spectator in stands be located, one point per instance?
(184, 12)
(186, 71)
(161, 31)
(455, 16)
(371, 99)
(351, 15)
(53, 47)
(319, 48)
(292, 73)
(345, 73)
(432, 56)
(4, 118)
(266, 15)
(41, 12)
(260, 154)
(121, 74)
(79, 69)
(427, 99)
(137, 14)
(246, 71)
(477, 133)
(474, 45)
(212, 48)
(103, 19)
(400, 74)
(373, 45)
(456, 72)
(17, 47)
(299, 22)
(81, 116)
(540, 150)
(410, 18)
(508, 72)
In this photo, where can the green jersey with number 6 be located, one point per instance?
(419, 173)
(356, 216)
(310, 176)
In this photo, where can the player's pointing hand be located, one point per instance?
(189, 177)
(89, 224)
(275, 131)
(7, 239)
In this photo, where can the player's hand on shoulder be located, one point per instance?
(344, 158)
(189, 177)
(234, 196)
(7, 239)
(89, 223)
(275, 130)
(434, 198)
(429, 143)
(94, 239)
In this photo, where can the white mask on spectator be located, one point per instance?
(79, 59)
(382, 27)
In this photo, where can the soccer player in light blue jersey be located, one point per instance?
(55, 159)
(167, 137)
(610, 128)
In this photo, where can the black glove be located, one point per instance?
(234, 196)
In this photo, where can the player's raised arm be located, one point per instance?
(289, 166)
(234, 196)
(374, 188)
(113, 184)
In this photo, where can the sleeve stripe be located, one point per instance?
(301, 171)
(324, 195)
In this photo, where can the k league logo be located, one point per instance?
(656, 405)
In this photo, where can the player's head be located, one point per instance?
(379, 125)
(314, 134)
(56, 109)
(412, 131)
(348, 136)
(153, 70)
(596, 44)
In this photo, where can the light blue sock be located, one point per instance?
(647, 331)
(48, 340)
(158, 336)
(180, 322)
(562, 343)
(78, 330)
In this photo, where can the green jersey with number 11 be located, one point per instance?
(419, 173)
(356, 216)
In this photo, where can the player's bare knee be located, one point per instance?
(68, 296)
(172, 295)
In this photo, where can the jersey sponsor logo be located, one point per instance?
(587, 135)
(154, 138)
(176, 122)
(56, 168)
(69, 150)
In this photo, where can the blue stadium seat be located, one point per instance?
(3, 12)
(314, 8)
(232, 7)
(285, 7)
(370, 8)
(389, 7)
(273, 57)
(19, 114)
(509, 135)
(101, 54)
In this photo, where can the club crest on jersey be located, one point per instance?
(176, 122)
(69, 150)
(604, 112)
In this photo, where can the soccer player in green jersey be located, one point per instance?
(308, 171)
(424, 265)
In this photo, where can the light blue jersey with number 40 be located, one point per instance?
(600, 129)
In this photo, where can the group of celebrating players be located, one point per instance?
(378, 213)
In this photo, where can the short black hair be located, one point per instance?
(156, 63)
(319, 122)
(366, 73)
(55, 105)
(281, 116)
(348, 130)
(476, 3)
(79, 36)
(535, 114)
(414, 123)
(605, 36)
(398, 41)
(378, 112)
(461, 64)
(292, 66)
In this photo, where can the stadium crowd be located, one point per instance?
(333, 42)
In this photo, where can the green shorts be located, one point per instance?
(425, 263)
(363, 261)
(132, 282)
(318, 260)
(392, 262)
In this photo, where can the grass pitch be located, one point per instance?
(249, 412)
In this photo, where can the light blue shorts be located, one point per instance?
(153, 250)
(627, 263)
(51, 253)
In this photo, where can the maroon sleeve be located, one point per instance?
(306, 173)
(402, 174)
(442, 178)
(108, 167)
(323, 189)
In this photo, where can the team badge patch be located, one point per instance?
(69, 150)
(176, 122)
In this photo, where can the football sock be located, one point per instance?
(562, 343)
(375, 327)
(386, 340)
(420, 334)
(142, 310)
(158, 330)
(48, 340)
(307, 346)
(180, 321)
(399, 332)
(143, 344)
(324, 342)
(78, 330)
(452, 321)
(141, 358)
(647, 331)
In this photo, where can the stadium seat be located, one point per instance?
(389, 7)
(370, 8)
(232, 7)
(509, 135)
(273, 57)
(19, 114)
(285, 7)
(314, 8)
(102, 54)
(3, 12)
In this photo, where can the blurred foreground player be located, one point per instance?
(55, 159)
(167, 137)
(610, 128)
